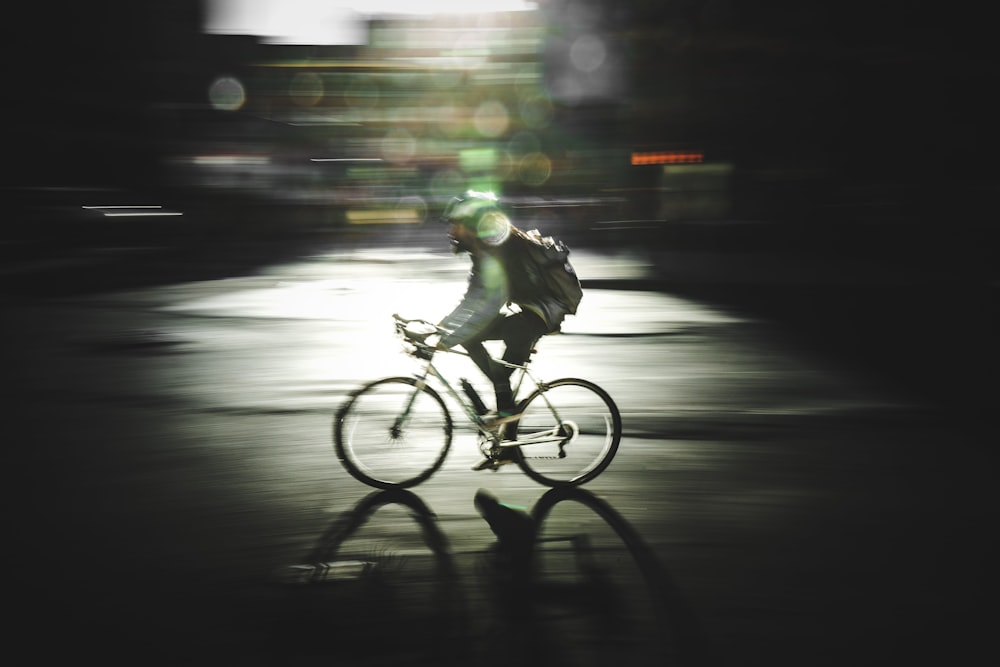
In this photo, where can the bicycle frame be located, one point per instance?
(546, 436)
(552, 435)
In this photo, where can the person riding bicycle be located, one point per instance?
(499, 303)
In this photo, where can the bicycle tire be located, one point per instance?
(589, 423)
(377, 451)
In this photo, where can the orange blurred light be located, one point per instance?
(667, 157)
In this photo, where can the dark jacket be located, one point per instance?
(495, 280)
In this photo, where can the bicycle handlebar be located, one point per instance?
(402, 325)
(422, 349)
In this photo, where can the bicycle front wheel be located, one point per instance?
(392, 433)
(568, 433)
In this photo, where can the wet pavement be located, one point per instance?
(173, 497)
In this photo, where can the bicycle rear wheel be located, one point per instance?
(392, 433)
(569, 432)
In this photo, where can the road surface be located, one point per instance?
(171, 479)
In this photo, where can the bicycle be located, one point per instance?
(396, 432)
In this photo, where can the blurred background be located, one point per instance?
(660, 112)
(826, 151)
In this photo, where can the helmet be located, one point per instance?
(466, 208)
(480, 212)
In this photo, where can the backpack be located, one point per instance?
(548, 269)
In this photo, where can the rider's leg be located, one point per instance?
(493, 371)
(519, 332)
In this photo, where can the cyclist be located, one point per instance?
(499, 302)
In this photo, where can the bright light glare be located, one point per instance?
(330, 21)
(443, 6)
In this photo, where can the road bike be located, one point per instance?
(397, 431)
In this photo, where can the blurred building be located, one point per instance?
(634, 110)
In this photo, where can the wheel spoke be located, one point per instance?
(588, 426)
(384, 444)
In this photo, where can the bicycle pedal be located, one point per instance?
(485, 464)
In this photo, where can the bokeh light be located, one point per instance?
(398, 145)
(306, 89)
(227, 93)
(535, 169)
(491, 119)
(536, 111)
(587, 53)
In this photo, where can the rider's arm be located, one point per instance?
(486, 294)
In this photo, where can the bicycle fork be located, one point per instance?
(400, 422)
(421, 383)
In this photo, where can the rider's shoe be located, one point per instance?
(505, 456)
